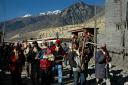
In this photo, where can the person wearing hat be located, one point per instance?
(58, 52)
(102, 59)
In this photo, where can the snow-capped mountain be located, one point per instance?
(26, 15)
(56, 12)
(51, 12)
(42, 13)
(74, 14)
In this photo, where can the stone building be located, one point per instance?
(116, 30)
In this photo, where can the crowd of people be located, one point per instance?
(41, 62)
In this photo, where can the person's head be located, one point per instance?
(86, 34)
(45, 43)
(75, 35)
(35, 44)
(103, 46)
(24, 44)
(58, 42)
(75, 46)
(16, 48)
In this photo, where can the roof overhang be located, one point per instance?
(81, 30)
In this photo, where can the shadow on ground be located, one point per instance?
(116, 79)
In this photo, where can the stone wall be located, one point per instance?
(115, 19)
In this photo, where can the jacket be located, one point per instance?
(101, 70)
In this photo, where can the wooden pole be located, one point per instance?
(4, 26)
(95, 32)
(122, 23)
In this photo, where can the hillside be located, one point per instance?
(74, 14)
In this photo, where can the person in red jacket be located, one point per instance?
(46, 57)
(17, 60)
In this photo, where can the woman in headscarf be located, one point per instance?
(102, 59)
(17, 60)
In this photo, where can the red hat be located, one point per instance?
(58, 41)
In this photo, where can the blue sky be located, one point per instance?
(10, 9)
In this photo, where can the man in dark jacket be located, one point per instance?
(35, 64)
(59, 53)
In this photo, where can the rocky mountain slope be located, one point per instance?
(74, 14)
